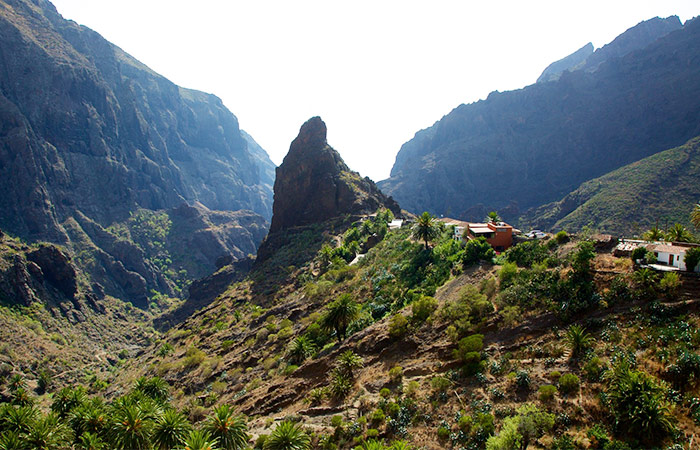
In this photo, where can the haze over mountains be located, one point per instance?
(521, 149)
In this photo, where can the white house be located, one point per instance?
(672, 254)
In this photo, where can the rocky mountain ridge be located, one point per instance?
(528, 147)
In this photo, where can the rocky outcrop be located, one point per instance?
(313, 184)
(535, 145)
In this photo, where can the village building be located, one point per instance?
(498, 234)
(671, 253)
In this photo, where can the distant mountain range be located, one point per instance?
(658, 190)
(89, 136)
(523, 149)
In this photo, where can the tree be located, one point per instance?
(131, 429)
(156, 388)
(425, 228)
(477, 250)
(654, 234)
(348, 361)
(47, 433)
(579, 341)
(340, 314)
(200, 440)
(493, 217)
(518, 431)
(300, 349)
(692, 258)
(288, 436)
(679, 233)
(695, 216)
(638, 405)
(230, 430)
(170, 430)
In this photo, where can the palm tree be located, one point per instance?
(90, 417)
(230, 430)
(16, 382)
(156, 388)
(131, 429)
(493, 217)
(300, 349)
(66, 399)
(578, 340)
(288, 436)
(170, 430)
(340, 314)
(200, 440)
(47, 434)
(679, 233)
(695, 216)
(17, 418)
(11, 440)
(91, 441)
(348, 361)
(654, 234)
(425, 228)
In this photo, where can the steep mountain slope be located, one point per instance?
(659, 189)
(532, 146)
(89, 136)
(635, 38)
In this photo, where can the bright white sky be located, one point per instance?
(375, 71)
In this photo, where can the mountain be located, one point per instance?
(90, 137)
(313, 183)
(635, 38)
(532, 146)
(657, 190)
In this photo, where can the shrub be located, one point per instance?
(527, 253)
(443, 433)
(507, 274)
(547, 392)
(670, 284)
(639, 406)
(347, 362)
(340, 385)
(638, 253)
(469, 353)
(377, 417)
(561, 237)
(439, 384)
(477, 250)
(469, 309)
(396, 374)
(422, 309)
(398, 326)
(593, 369)
(569, 384)
(692, 258)
(227, 345)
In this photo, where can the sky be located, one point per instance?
(375, 71)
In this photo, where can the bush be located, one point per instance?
(522, 380)
(561, 237)
(422, 309)
(593, 369)
(477, 250)
(638, 253)
(377, 417)
(398, 326)
(469, 353)
(527, 253)
(569, 384)
(193, 357)
(469, 309)
(670, 284)
(692, 258)
(507, 274)
(439, 384)
(547, 392)
(396, 374)
(443, 433)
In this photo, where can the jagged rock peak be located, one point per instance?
(314, 184)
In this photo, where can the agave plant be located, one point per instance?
(288, 436)
(170, 430)
(200, 440)
(230, 430)
(579, 341)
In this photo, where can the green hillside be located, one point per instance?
(660, 188)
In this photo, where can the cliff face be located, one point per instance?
(535, 145)
(89, 136)
(313, 184)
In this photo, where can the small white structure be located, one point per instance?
(671, 254)
(396, 224)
